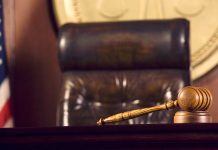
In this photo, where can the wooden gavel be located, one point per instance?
(189, 99)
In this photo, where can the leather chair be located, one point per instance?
(113, 67)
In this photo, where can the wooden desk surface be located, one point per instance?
(156, 136)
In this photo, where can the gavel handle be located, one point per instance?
(136, 113)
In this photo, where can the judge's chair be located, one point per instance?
(118, 66)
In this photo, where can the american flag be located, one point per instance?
(5, 111)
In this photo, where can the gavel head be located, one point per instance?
(194, 99)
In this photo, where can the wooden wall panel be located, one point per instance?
(35, 75)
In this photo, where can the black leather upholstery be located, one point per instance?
(119, 66)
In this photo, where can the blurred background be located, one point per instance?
(33, 64)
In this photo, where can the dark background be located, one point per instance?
(33, 65)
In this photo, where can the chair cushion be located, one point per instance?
(90, 95)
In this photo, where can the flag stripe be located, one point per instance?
(5, 114)
(9, 123)
(4, 92)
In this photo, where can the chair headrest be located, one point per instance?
(125, 45)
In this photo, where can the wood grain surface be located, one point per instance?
(34, 71)
(155, 136)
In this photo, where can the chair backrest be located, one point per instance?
(118, 66)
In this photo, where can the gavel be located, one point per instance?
(190, 99)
